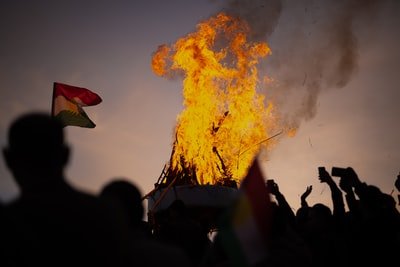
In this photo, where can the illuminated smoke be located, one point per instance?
(314, 47)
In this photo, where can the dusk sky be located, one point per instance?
(335, 69)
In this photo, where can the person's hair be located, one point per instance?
(36, 135)
(36, 153)
(322, 211)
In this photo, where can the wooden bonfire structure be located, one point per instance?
(204, 203)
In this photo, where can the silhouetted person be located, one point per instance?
(302, 212)
(374, 233)
(51, 223)
(397, 185)
(286, 247)
(321, 229)
(284, 206)
(336, 196)
(180, 230)
(3, 231)
(126, 201)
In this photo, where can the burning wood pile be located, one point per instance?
(225, 121)
(186, 174)
(224, 118)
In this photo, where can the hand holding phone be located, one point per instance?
(338, 172)
(322, 174)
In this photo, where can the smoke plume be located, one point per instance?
(314, 47)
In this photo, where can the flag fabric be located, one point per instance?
(243, 229)
(67, 104)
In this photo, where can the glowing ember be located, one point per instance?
(225, 121)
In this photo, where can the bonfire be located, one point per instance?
(225, 122)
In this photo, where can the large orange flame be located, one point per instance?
(225, 121)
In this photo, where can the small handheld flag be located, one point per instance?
(68, 102)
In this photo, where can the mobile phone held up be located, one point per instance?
(270, 183)
(338, 172)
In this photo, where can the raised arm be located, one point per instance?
(337, 196)
(346, 183)
(280, 198)
(304, 196)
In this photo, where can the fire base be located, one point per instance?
(204, 203)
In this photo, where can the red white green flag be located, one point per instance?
(244, 229)
(68, 102)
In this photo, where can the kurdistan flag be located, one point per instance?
(68, 102)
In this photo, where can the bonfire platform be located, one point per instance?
(204, 203)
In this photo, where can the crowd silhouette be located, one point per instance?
(52, 223)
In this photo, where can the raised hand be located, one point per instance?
(273, 187)
(305, 195)
(307, 192)
(324, 176)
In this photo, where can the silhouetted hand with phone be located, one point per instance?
(273, 187)
(324, 176)
(346, 185)
(337, 198)
(352, 177)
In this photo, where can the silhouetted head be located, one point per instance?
(319, 215)
(125, 194)
(36, 152)
(322, 211)
(302, 215)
